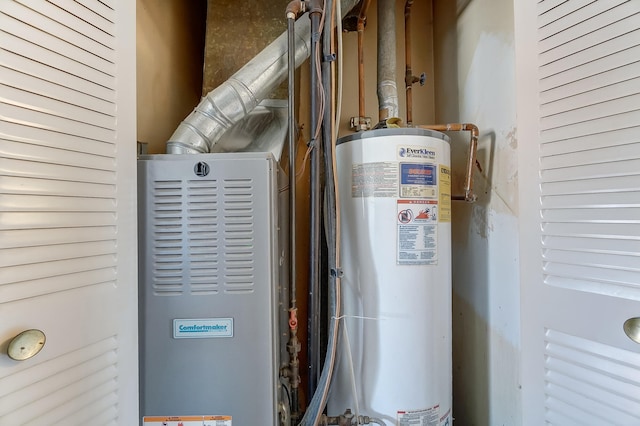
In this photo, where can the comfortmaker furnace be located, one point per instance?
(213, 291)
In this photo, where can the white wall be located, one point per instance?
(475, 82)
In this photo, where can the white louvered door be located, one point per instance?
(579, 168)
(68, 256)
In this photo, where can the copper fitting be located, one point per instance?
(468, 196)
(295, 8)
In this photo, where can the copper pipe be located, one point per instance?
(362, 17)
(360, 69)
(293, 346)
(468, 196)
(408, 74)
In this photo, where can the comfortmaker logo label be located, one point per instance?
(202, 328)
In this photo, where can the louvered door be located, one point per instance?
(67, 210)
(579, 141)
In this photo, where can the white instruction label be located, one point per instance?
(187, 421)
(427, 417)
(417, 238)
(374, 180)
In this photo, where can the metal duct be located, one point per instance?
(235, 98)
(387, 88)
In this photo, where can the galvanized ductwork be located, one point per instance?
(235, 98)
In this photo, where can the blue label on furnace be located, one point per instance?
(202, 328)
(417, 174)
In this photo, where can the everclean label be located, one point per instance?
(203, 328)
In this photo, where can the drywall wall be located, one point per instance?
(475, 82)
(169, 52)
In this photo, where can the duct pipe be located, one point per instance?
(387, 88)
(230, 102)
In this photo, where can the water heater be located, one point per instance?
(394, 352)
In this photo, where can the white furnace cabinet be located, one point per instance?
(212, 297)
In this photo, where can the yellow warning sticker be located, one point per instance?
(186, 421)
(444, 193)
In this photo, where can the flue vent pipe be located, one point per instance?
(241, 93)
(387, 87)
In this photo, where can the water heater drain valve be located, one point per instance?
(349, 419)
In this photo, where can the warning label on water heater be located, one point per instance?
(374, 180)
(444, 194)
(417, 222)
(427, 417)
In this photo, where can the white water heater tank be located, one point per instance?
(394, 353)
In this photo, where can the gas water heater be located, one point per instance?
(394, 352)
(213, 292)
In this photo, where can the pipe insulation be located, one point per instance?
(387, 87)
(230, 102)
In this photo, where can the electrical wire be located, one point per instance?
(304, 163)
(318, 71)
(340, 71)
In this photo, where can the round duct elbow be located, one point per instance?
(230, 102)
